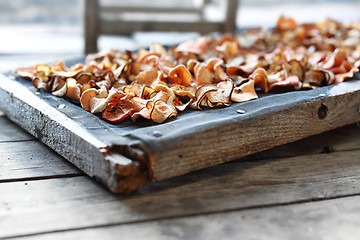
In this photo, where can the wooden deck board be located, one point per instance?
(81, 203)
(341, 139)
(335, 219)
(11, 132)
(312, 183)
(289, 192)
(32, 160)
(24, 158)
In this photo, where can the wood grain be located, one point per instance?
(230, 19)
(229, 142)
(69, 139)
(123, 166)
(128, 27)
(91, 25)
(79, 203)
(340, 139)
(315, 220)
(110, 23)
(10, 132)
(32, 160)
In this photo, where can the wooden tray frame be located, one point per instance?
(128, 164)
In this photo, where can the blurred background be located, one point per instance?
(57, 28)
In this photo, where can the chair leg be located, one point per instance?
(91, 25)
(230, 18)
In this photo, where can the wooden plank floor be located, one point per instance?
(305, 190)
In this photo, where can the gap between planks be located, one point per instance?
(31, 160)
(335, 219)
(39, 178)
(24, 140)
(178, 217)
(252, 185)
(10, 132)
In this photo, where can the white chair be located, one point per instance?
(201, 16)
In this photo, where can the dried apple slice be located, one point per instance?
(229, 48)
(90, 84)
(73, 89)
(72, 74)
(260, 77)
(134, 88)
(142, 108)
(198, 46)
(294, 67)
(342, 76)
(344, 67)
(39, 84)
(237, 71)
(163, 96)
(147, 77)
(25, 72)
(85, 98)
(222, 95)
(83, 78)
(215, 66)
(290, 83)
(182, 106)
(102, 97)
(203, 76)
(245, 92)
(61, 89)
(43, 68)
(180, 75)
(151, 58)
(183, 92)
(200, 96)
(118, 109)
(335, 59)
(158, 49)
(190, 65)
(286, 24)
(162, 111)
(59, 66)
(318, 78)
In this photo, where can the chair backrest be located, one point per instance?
(126, 18)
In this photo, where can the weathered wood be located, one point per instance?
(91, 25)
(32, 160)
(25, 209)
(230, 16)
(187, 144)
(69, 139)
(128, 27)
(231, 141)
(106, 20)
(340, 139)
(150, 9)
(332, 219)
(10, 132)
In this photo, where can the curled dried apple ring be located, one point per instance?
(180, 75)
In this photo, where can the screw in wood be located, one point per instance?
(240, 111)
(157, 134)
(61, 106)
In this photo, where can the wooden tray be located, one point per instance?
(125, 156)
